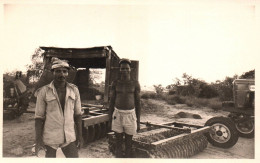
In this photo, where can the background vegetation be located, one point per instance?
(197, 93)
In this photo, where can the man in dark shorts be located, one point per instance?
(124, 109)
(58, 114)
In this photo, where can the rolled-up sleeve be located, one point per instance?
(77, 106)
(40, 104)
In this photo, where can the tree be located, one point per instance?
(248, 75)
(190, 86)
(35, 69)
(158, 89)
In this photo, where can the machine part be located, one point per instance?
(98, 131)
(246, 129)
(91, 134)
(223, 133)
(103, 129)
(159, 142)
(244, 124)
(94, 124)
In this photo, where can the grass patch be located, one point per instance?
(149, 107)
(213, 103)
(190, 101)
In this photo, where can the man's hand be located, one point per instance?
(39, 146)
(80, 142)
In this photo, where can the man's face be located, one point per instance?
(60, 74)
(125, 69)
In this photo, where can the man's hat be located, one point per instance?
(125, 60)
(57, 63)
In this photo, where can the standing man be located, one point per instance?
(124, 109)
(58, 114)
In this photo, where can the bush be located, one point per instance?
(172, 92)
(174, 99)
(149, 95)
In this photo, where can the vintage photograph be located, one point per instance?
(128, 79)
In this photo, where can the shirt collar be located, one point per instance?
(51, 85)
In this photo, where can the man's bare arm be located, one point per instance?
(39, 123)
(137, 103)
(78, 119)
(112, 102)
(40, 112)
(78, 124)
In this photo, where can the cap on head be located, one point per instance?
(124, 60)
(57, 63)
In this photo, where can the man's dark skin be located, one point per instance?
(60, 76)
(125, 96)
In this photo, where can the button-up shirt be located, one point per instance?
(59, 126)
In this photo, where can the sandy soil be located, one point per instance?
(18, 134)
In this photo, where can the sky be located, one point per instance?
(207, 39)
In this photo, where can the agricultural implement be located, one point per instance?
(169, 140)
(95, 122)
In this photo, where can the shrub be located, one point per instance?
(172, 92)
(149, 95)
(174, 99)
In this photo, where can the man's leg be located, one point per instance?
(50, 152)
(119, 143)
(128, 145)
(71, 150)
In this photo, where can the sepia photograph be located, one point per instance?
(153, 79)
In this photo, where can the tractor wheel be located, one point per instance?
(223, 133)
(246, 129)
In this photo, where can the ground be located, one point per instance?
(18, 134)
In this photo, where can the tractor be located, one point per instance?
(240, 120)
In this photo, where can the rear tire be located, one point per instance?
(223, 133)
(246, 129)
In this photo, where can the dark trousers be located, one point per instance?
(70, 151)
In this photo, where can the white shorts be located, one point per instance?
(124, 121)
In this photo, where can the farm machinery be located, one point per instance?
(169, 140)
(16, 97)
(240, 121)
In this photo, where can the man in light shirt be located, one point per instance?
(58, 114)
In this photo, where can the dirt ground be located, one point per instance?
(18, 134)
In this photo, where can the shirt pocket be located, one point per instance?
(52, 102)
(71, 101)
